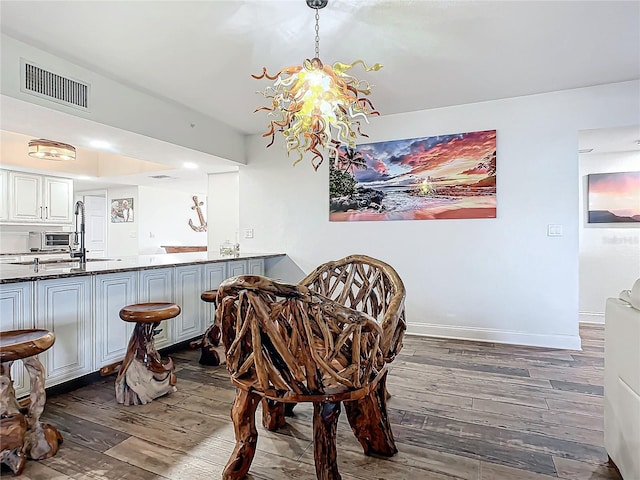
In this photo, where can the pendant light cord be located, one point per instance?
(317, 33)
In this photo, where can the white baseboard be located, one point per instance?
(591, 317)
(567, 342)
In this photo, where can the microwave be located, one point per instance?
(39, 241)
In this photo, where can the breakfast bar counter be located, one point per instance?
(80, 304)
(61, 268)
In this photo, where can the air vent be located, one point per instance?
(158, 177)
(46, 84)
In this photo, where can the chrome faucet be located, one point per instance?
(78, 250)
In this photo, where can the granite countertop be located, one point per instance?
(24, 273)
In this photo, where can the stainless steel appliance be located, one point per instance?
(39, 241)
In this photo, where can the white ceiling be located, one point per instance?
(435, 53)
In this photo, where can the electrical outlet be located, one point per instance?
(554, 230)
(248, 233)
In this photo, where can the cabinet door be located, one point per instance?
(113, 291)
(16, 314)
(256, 266)
(157, 286)
(188, 287)
(63, 307)
(4, 196)
(58, 200)
(214, 274)
(25, 203)
(236, 267)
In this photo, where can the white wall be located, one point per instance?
(163, 217)
(500, 279)
(609, 254)
(223, 214)
(122, 238)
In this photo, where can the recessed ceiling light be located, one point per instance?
(99, 144)
(190, 165)
(585, 150)
(83, 177)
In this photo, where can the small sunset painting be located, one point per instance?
(447, 176)
(614, 197)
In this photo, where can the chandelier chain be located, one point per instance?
(317, 34)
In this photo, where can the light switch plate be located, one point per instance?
(554, 230)
(248, 233)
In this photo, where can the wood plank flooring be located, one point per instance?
(459, 410)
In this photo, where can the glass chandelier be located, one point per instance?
(317, 106)
(50, 150)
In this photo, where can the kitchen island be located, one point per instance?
(80, 304)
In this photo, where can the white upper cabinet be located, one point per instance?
(38, 199)
(4, 195)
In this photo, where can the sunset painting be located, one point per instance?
(446, 176)
(614, 197)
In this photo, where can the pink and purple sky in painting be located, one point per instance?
(618, 193)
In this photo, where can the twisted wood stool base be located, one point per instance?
(22, 434)
(144, 375)
(211, 352)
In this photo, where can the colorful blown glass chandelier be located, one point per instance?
(317, 106)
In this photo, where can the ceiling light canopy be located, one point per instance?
(50, 150)
(317, 106)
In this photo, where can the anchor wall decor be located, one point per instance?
(203, 225)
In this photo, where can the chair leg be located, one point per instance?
(370, 423)
(325, 421)
(243, 415)
(272, 414)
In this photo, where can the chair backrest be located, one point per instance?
(292, 344)
(368, 285)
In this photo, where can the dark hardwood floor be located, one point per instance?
(460, 410)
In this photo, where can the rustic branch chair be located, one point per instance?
(287, 343)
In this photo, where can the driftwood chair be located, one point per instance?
(287, 343)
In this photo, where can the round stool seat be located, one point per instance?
(17, 344)
(209, 296)
(149, 312)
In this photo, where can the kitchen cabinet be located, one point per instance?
(214, 274)
(157, 286)
(255, 266)
(64, 308)
(188, 287)
(16, 314)
(4, 195)
(112, 292)
(39, 199)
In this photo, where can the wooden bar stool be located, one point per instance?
(21, 431)
(209, 344)
(144, 375)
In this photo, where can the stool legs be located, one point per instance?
(24, 433)
(144, 375)
(42, 439)
(243, 414)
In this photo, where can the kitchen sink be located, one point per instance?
(64, 260)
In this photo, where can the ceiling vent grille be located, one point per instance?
(46, 84)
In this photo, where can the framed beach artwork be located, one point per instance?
(614, 197)
(445, 176)
(121, 210)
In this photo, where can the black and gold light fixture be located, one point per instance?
(315, 105)
(50, 150)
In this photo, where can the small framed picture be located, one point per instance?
(122, 210)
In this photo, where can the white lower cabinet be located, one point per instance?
(255, 266)
(188, 287)
(16, 314)
(236, 267)
(157, 286)
(214, 274)
(112, 292)
(63, 306)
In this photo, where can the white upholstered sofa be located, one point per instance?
(622, 382)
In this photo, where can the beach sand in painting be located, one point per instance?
(449, 176)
